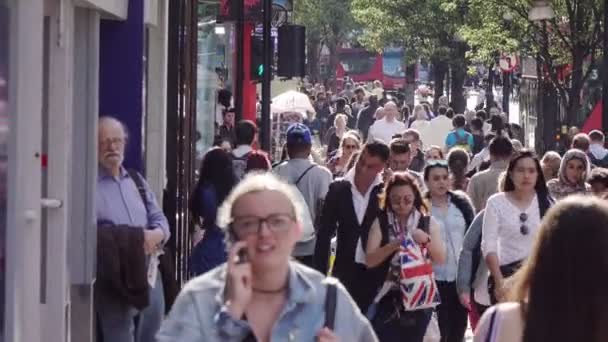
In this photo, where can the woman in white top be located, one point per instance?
(560, 293)
(512, 220)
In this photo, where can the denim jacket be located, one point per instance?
(199, 313)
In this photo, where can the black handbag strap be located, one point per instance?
(141, 188)
(304, 174)
(331, 303)
(491, 330)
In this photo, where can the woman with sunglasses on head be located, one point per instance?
(404, 217)
(512, 219)
(434, 153)
(454, 212)
(572, 175)
(559, 295)
(348, 146)
(259, 294)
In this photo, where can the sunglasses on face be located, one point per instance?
(524, 230)
(437, 162)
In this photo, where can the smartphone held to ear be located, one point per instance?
(242, 256)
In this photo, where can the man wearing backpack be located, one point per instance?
(312, 182)
(597, 153)
(246, 136)
(459, 137)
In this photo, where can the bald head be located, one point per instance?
(390, 111)
(112, 138)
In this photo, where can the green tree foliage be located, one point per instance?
(328, 23)
(427, 29)
(572, 38)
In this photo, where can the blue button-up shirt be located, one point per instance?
(199, 313)
(119, 202)
(453, 227)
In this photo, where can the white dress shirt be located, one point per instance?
(360, 203)
(384, 130)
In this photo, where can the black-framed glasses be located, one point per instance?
(524, 230)
(249, 225)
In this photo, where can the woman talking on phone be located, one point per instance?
(260, 294)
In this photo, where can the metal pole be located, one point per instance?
(605, 73)
(506, 91)
(240, 60)
(267, 76)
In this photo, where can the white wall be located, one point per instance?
(113, 8)
(156, 90)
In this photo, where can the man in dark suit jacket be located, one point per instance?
(350, 208)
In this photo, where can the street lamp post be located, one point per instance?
(605, 74)
(541, 12)
(265, 140)
(506, 75)
(240, 59)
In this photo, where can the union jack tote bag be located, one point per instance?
(417, 280)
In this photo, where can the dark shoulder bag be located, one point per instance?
(167, 270)
(331, 303)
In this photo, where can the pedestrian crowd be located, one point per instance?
(407, 227)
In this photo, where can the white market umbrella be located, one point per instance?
(293, 101)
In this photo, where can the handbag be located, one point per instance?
(417, 279)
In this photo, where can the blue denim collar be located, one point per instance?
(301, 290)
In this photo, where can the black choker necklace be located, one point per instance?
(277, 291)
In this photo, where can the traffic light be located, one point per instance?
(257, 58)
(292, 51)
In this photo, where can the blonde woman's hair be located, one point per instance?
(352, 136)
(255, 183)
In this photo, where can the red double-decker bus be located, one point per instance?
(361, 65)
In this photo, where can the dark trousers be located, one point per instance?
(452, 316)
(407, 326)
(361, 283)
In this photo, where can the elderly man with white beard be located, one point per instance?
(120, 204)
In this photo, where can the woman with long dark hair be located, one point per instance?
(458, 162)
(559, 295)
(404, 218)
(216, 180)
(454, 212)
(512, 220)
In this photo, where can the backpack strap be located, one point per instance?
(544, 203)
(304, 174)
(141, 188)
(424, 224)
(490, 334)
(331, 302)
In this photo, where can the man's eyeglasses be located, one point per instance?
(524, 230)
(350, 147)
(113, 141)
(249, 225)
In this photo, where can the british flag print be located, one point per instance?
(417, 280)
